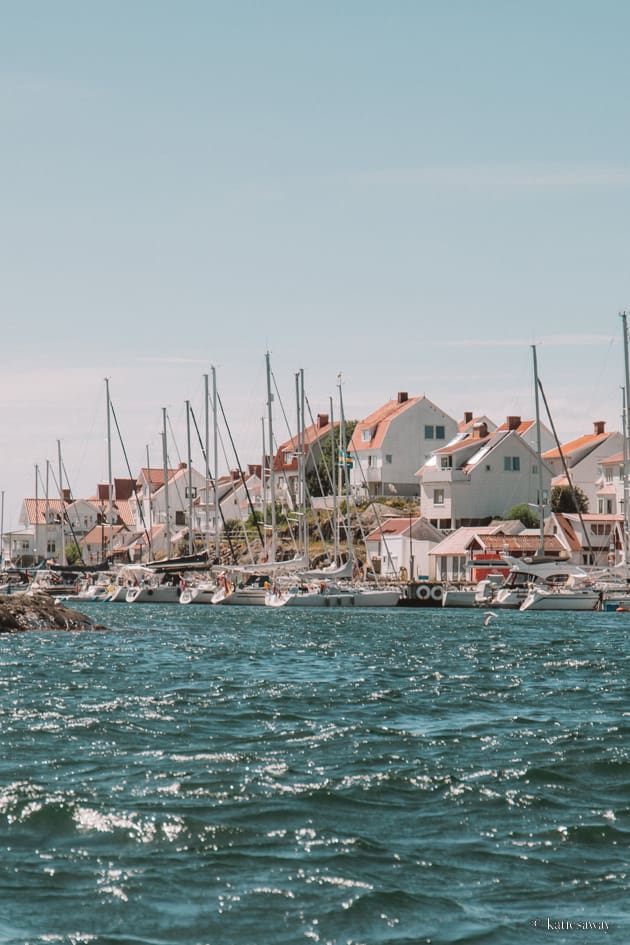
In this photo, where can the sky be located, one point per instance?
(388, 196)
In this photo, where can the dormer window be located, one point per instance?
(366, 436)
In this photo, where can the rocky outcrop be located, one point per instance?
(39, 612)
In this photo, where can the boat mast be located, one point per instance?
(334, 457)
(150, 497)
(62, 516)
(36, 515)
(272, 486)
(344, 461)
(165, 466)
(190, 488)
(626, 460)
(541, 500)
(207, 446)
(217, 543)
(110, 486)
(263, 485)
(624, 427)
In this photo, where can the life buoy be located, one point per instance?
(423, 592)
(437, 592)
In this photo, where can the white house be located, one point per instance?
(609, 485)
(401, 543)
(389, 445)
(150, 503)
(286, 463)
(583, 457)
(481, 475)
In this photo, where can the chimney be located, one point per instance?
(67, 495)
(235, 475)
(468, 416)
(513, 423)
(600, 427)
(480, 431)
(322, 420)
(403, 396)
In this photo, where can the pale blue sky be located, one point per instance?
(411, 193)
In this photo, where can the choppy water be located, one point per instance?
(248, 776)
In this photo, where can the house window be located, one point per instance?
(388, 458)
(534, 469)
(446, 462)
(608, 475)
(191, 492)
(366, 436)
(440, 433)
(180, 518)
(438, 496)
(428, 432)
(51, 547)
(511, 463)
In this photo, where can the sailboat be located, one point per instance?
(333, 586)
(543, 582)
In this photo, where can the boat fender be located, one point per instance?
(436, 592)
(423, 592)
(404, 574)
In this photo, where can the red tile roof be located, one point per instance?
(379, 422)
(575, 446)
(36, 509)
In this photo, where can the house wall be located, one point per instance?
(405, 442)
(488, 490)
(586, 473)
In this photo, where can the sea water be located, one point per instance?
(257, 776)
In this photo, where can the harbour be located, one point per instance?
(212, 775)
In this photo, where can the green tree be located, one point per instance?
(565, 499)
(73, 553)
(318, 477)
(524, 514)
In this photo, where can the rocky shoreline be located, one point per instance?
(20, 612)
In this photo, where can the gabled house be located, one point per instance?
(401, 543)
(95, 545)
(286, 462)
(481, 475)
(582, 457)
(389, 445)
(41, 537)
(449, 560)
(150, 499)
(609, 485)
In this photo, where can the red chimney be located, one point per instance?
(513, 423)
(468, 416)
(403, 396)
(322, 420)
(600, 427)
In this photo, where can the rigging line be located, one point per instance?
(216, 492)
(179, 459)
(63, 513)
(566, 472)
(377, 516)
(138, 502)
(328, 517)
(65, 472)
(238, 463)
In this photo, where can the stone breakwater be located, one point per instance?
(39, 612)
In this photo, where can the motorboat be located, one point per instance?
(542, 597)
(528, 572)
